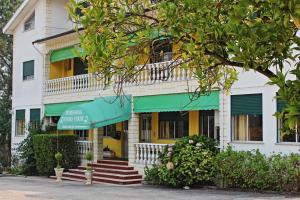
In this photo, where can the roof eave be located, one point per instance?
(18, 16)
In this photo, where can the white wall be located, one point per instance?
(251, 83)
(51, 18)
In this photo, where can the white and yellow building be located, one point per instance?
(51, 83)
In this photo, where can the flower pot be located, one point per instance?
(88, 176)
(58, 173)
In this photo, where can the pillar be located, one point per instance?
(133, 136)
(98, 143)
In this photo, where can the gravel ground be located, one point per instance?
(38, 188)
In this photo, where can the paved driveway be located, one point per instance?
(36, 188)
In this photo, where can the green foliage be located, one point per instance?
(45, 147)
(213, 37)
(186, 163)
(89, 156)
(7, 7)
(58, 156)
(26, 151)
(253, 170)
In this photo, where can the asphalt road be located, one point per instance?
(37, 188)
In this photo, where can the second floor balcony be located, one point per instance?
(155, 73)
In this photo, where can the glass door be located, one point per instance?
(145, 128)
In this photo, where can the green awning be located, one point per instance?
(248, 104)
(95, 114)
(57, 109)
(176, 102)
(66, 53)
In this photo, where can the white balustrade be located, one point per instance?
(84, 147)
(148, 153)
(168, 71)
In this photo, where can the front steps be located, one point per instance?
(107, 171)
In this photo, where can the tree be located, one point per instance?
(7, 8)
(214, 37)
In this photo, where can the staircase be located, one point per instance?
(107, 171)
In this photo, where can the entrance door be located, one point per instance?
(125, 140)
(145, 128)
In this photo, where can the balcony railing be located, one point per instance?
(148, 153)
(149, 74)
(84, 147)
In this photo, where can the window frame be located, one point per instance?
(29, 23)
(175, 125)
(22, 123)
(209, 114)
(111, 134)
(31, 76)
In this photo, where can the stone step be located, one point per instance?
(110, 166)
(113, 171)
(113, 162)
(80, 177)
(108, 175)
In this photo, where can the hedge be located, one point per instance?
(45, 147)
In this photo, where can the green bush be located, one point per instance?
(186, 163)
(26, 152)
(45, 147)
(253, 170)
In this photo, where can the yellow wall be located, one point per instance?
(193, 127)
(61, 69)
(114, 144)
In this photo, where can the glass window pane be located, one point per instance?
(255, 127)
(211, 120)
(239, 127)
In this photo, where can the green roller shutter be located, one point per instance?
(35, 114)
(246, 104)
(281, 104)
(20, 114)
(66, 53)
(57, 109)
(28, 69)
(176, 102)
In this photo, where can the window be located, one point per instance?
(29, 24)
(28, 70)
(285, 135)
(20, 123)
(173, 125)
(246, 117)
(35, 118)
(161, 51)
(83, 135)
(110, 130)
(207, 123)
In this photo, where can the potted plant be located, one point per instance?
(89, 170)
(107, 153)
(58, 170)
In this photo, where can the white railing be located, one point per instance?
(148, 153)
(168, 71)
(84, 147)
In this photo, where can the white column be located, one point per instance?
(98, 144)
(133, 136)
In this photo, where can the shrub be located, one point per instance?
(186, 163)
(45, 147)
(26, 154)
(253, 170)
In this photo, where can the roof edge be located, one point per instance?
(15, 19)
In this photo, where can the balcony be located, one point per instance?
(155, 73)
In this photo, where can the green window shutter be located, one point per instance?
(35, 114)
(246, 104)
(281, 104)
(20, 114)
(28, 69)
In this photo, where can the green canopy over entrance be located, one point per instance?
(95, 114)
